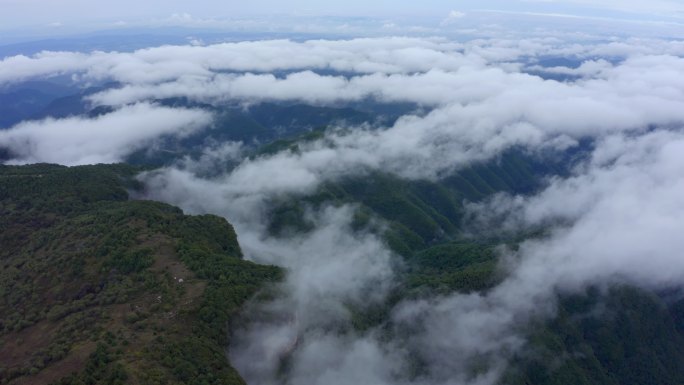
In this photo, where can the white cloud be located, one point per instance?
(105, 139)
(616, 221)
(453, 17)
(481, 106)
(619, 207)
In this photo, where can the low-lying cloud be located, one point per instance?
(615, 218)
(104, 139)
(481, 100)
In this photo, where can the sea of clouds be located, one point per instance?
(616, 218)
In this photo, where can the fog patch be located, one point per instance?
(105, 139)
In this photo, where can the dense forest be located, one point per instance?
(98, 289)
(614, 334)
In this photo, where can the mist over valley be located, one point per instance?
(492, 198)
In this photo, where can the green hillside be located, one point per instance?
(624, 336)
(619, 336)
(260, 124)
(419, 213)
(97, 289)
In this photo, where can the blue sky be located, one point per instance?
(32, 12)
(72, 15)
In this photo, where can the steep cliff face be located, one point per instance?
(100, 289)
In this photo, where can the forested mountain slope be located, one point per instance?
(100, 289)
(419, 213)
(611, 334)
(97, 289)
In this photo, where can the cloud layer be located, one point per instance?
(104, 139)
(482, 100)
(615, 218)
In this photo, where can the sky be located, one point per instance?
(75, 15)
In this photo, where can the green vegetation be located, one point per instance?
(260, 124)
(418, 213)
(620, 336)
(624, 336)
(97, 289)
(463, 267)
